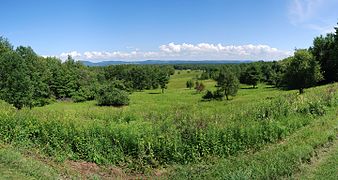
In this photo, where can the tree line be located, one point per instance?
(306, 68)
(28, 80)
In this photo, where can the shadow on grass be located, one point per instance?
(249, 87)
(270, 87)
(154, 93)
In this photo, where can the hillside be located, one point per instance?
(262, 133)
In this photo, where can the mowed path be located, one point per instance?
(324, 165)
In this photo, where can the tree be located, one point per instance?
(228, 83)
(37, 71)
(251, 76)
(189, 84)
(163, 79)
(5, 45)
(323, 50)
(15, 85)
(302, 71)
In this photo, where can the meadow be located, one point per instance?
(262, 133)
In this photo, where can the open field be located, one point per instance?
(262, 133)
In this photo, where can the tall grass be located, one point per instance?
(178, 136)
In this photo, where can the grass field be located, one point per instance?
(262, 133)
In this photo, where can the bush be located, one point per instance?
(208, 95)
(218, 95)
(109, 95)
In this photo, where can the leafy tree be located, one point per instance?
(228, 83)
(38, 73)
(323, 50)
(189, 84)
(251, 76)
(5, 45)
(163, 80)
(15, 85)
(302, 71)
(56, 77)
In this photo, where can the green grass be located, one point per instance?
(274, 161)
(324, 165)
(177, 129)
(13, 165)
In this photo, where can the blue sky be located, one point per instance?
(98, 30)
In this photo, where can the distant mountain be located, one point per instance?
(107, 63)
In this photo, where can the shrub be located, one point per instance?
(109, 95)
(209, 95)
(189, 84)
(218, 95)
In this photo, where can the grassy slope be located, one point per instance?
(278, 160)
(177, 96)
(143, 104)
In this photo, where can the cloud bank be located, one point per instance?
(185, 51)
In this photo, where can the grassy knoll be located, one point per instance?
(261, 133)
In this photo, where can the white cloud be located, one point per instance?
(74, 54)
(185, 51)
(302, 10)
(318, 15)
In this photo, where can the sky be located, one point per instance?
(131, 30)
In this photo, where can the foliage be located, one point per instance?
(110, 95)
(251, 76)
(190, 84)
(208, 95)
(228, 83)
(15, 85)
(325, 51)
(302, 71)
(217, 95)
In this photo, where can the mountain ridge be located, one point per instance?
(145, 62)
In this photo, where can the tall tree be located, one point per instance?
(323, 50)
(302, 71)
(228, 83)
(15, 85)
(38, 74)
